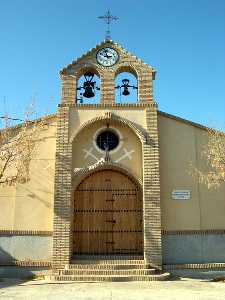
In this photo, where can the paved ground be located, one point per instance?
(184, 289)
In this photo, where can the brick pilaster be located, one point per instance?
(107, 88)
(68, 91)
(145, 86)
(151, 192)
(62, 200)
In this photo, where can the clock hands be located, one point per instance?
(108, 56)
(106, 53)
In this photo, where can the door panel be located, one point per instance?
(108, 215)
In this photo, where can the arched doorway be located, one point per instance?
(108, 215)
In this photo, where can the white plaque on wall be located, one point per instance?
(181, 194)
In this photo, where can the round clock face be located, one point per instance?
(107, 57)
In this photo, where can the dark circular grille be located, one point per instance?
(107, 140)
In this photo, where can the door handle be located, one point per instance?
(111, 221)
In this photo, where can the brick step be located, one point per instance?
(110, 278)
(97, 272)
(93, 257)
(108, 262)
(105, 266)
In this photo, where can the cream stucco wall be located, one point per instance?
(85, 141)
(180, 144)
(29, 206)
(78, 117)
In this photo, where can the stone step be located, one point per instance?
(105, 266)
(83, 257)
(97, 272)
(108, 262)
(110, 278)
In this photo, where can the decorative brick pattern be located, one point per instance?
(195, 266)
(68, 88)
(193, 232)
(83, 173)
(4, 232)
(107, 88)
(62, 244)
(113, 119)
(27, 263)
(151, 191)
(110, 270)
(127, 63)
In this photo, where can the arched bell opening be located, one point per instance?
(88, 87)
(126, 86)
(108, 214)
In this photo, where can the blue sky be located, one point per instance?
(184, 40)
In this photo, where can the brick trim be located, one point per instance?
(107, 43)
(85, 172)
(109, 105)
(4, 232)
(62, 233)
(151, 192)
(28, 263)
(112, 118)
(193, 232)
(194, 266)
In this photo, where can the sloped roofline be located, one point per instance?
(188, 122)
(101, 44)
(41, 119)
(161, 113)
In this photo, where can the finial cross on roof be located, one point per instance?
(108, 18)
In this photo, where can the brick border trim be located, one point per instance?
(4, 232)
(151, 192)
(195, 266)
(24, 263)
(105, 43)
(113, 105)
(62, 220)
(85, 172)
(193, 232)
(141, 134)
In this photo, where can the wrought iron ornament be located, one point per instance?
(125, 87)
(108, 18)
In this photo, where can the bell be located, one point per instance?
(125, 87)
(125, 91)
(88, 93)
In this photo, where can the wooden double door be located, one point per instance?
(108, 215)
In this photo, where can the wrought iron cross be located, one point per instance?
(108, 18)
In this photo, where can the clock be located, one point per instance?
(107, 57)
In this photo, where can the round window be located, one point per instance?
(107, 140)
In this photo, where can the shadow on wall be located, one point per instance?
(9, 270)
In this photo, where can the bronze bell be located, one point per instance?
(125, 91)
(88, 91)
(125, 87)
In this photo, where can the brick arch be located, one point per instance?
(84, 173)
(88, 68)
(113, 119)
(129, 68)
(135, 71)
